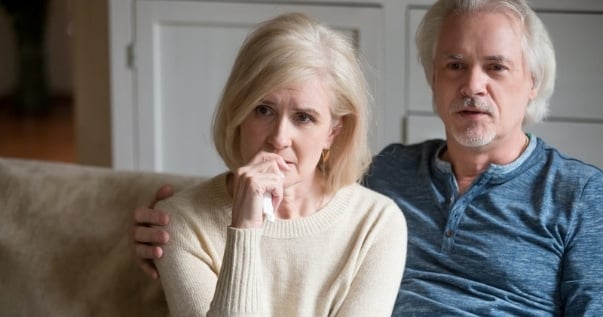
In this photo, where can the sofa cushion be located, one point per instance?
(63, 240)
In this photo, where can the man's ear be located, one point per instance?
(533, 93)
(533, 90)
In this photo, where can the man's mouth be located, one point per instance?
(468, 113)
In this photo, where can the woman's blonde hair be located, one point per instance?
(289, 49)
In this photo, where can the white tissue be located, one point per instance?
(268, 209)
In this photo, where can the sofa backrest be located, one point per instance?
(63, 240)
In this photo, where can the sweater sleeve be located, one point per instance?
(375, 287)
(582, 277)
(196, 280)
(238, 289)
(188, 269)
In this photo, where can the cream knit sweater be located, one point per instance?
(347, 259)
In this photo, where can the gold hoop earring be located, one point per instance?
(324, 158)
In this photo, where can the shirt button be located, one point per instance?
(449, 233)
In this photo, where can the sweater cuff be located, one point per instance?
(238, 286)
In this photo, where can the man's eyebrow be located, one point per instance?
(490, 58)
(498, 58)
(454, 56)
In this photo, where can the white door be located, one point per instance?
(183, 53)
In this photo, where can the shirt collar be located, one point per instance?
(500, 172)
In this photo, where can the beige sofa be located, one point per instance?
(63, 240)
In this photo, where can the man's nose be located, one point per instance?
(475, 82)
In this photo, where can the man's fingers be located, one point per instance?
(148, 268)
(150, 235)
(162, 193)
(148, 252)
(144, 215)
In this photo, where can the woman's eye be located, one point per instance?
(263, 110)
(304, 117)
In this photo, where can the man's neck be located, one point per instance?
(468, 163)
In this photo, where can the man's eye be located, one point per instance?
(455, 66)
(497, 67)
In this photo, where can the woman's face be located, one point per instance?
(294, 122)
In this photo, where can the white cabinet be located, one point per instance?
(170, 59)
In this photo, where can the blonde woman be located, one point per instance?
(292, 128)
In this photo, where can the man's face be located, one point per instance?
(481, 83)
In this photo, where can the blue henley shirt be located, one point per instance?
(526, 239)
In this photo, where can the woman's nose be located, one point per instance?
(280, 136)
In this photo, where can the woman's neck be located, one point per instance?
(303, 199)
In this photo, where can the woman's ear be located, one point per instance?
(335, 129)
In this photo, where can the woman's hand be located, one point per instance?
(264, 174)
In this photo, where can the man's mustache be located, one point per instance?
(472, 104)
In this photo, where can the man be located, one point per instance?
(499, 222)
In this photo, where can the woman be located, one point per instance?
(291, 126)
